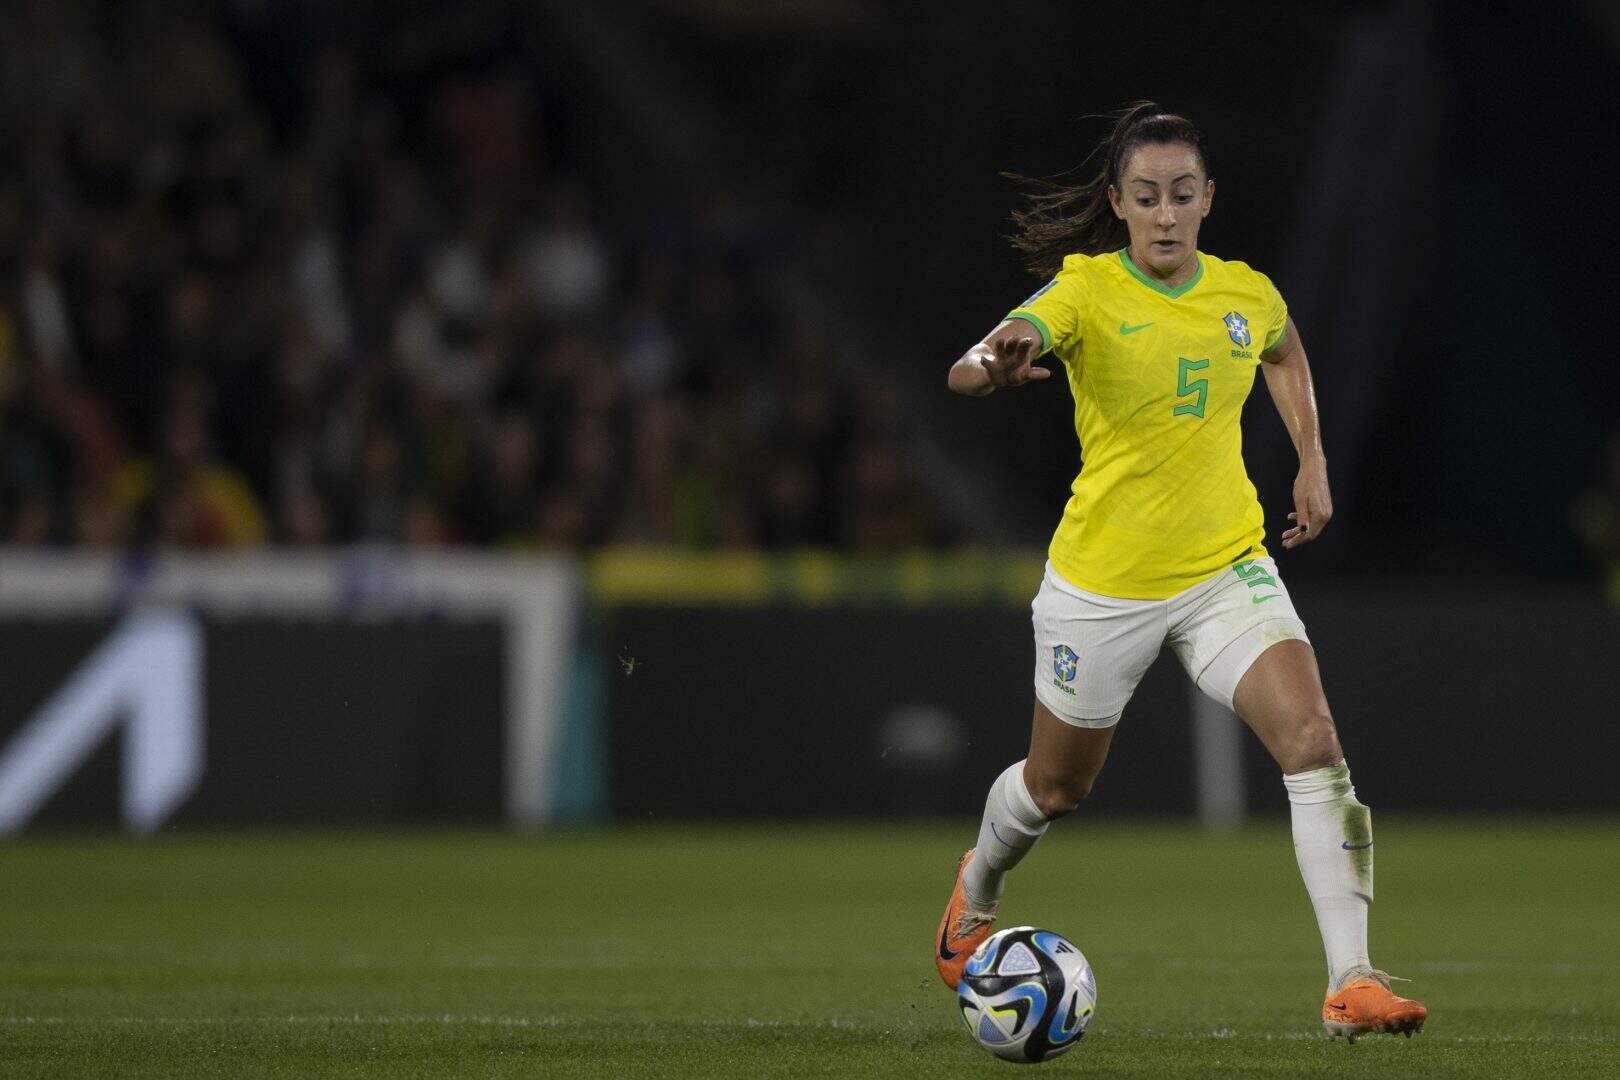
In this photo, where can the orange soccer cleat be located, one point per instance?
(1365, 1003)
(961, 930)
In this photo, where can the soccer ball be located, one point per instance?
(1027, 994)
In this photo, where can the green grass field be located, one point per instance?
(779, 951)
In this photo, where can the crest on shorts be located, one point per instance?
(1065, 663)
(1237, 328)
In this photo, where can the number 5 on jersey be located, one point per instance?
(1196, 386)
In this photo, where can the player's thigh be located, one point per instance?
(1063, 761)
(1244, 645)
(1280, 697)
(1091, 651)
(1219, 627)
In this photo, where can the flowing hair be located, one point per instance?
(1064, 219)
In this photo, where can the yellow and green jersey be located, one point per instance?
(1159, 376)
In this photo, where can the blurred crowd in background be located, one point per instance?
(374, 300)
(274, 272)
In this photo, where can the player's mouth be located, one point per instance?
(1166, 245)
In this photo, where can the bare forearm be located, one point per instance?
(1294, 394)
(968, 376)
(1288, 377)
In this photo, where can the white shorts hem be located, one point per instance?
(1220, 677)
(1058, 709)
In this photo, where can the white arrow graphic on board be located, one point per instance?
(149, 672)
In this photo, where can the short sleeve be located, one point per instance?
(1058, 308)
(1276, 317)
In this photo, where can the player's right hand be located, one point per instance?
(1010, 361)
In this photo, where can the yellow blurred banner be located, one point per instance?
(640, 575)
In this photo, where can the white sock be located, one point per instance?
(1012, 823)
(1333, 843)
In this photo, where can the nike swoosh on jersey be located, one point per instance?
(1123, 329)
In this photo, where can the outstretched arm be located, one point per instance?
(1288, 377)
(1004, 358)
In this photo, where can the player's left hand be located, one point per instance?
(1313, 505)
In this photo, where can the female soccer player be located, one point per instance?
(1162, 537)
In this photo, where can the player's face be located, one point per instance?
(1162, 198)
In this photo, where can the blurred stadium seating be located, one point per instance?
(511, 275)
(478, 494)
(348, 286)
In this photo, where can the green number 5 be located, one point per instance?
(1196, 386)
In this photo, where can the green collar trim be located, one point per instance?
(1157, 285)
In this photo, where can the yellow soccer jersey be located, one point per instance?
(1159, 376)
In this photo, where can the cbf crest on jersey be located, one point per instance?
(1237, 328)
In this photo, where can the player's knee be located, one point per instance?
(1056, 796)
(1314, 743)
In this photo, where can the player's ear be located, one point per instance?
(1209, 196)
(1113, 200)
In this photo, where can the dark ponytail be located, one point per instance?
(1061, 220)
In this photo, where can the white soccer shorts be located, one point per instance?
(1091, 650)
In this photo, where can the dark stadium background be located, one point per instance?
(672, 288)
(492, 580)
(791, 208)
